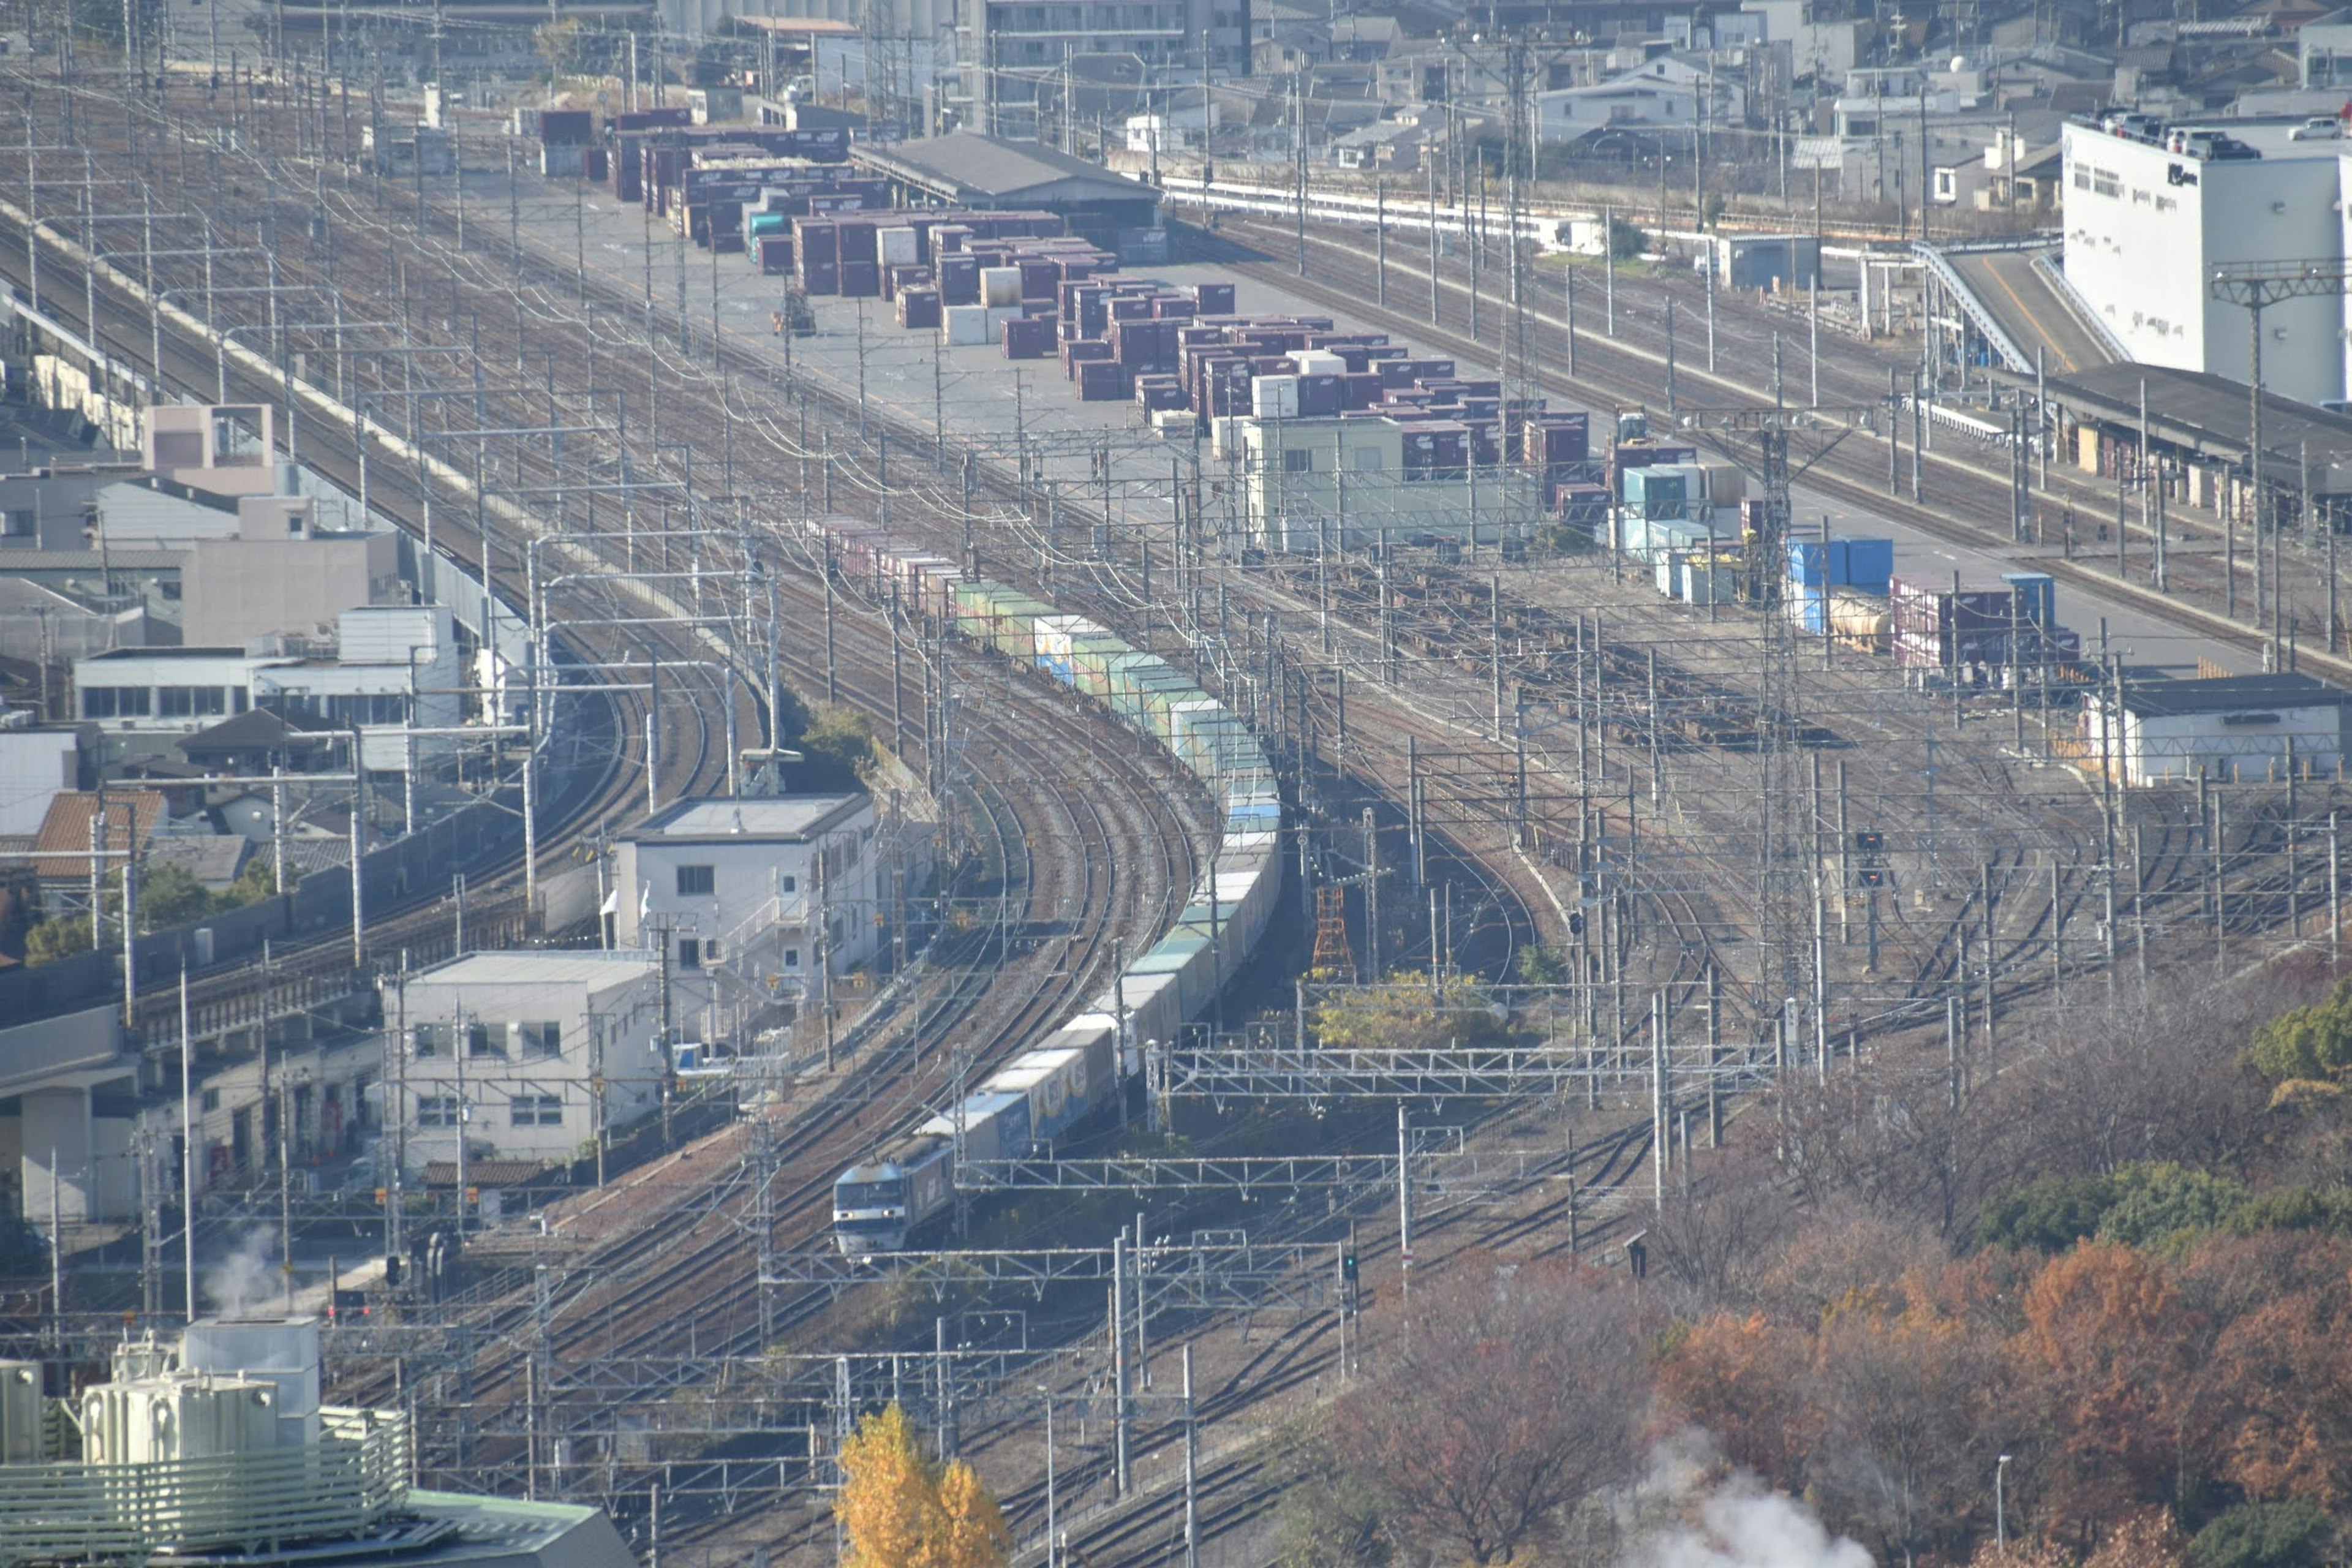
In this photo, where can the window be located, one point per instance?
(535, 1111)
(542, 1038)
(791, 884)
(19, 524)
(480, 1042)
(689, 953)
(190, 702)
(432, 1039)
(1298, 462)
(697, 881)
(114, 702)
(212, 1100)
(437, 1110)
(791, 958)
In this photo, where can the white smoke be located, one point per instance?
(246, 1280)
(1693, 1513)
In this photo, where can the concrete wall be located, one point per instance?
(239, 589)
(35, 765)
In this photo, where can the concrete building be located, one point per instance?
(388, 666)
(165, 691)
(2241, 728)
(393, 666)
(69, 1095)
(2147, 228)
(37, 762)
(750, 896)
(533, 1054)
(279, 573)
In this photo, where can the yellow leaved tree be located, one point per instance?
(897, 1510)
(971, 1532)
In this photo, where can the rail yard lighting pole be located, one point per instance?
(2000, 1505)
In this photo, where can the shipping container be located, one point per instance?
(1000, 287)
(1655, 494)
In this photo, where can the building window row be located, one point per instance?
(344, 708)
(527, 1038)
(116, 701)
(535, 1111)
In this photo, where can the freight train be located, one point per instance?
(1081, 1067)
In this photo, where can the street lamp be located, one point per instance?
(1999, 1506)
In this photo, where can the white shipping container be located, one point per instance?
(963, 326)
(897, 247)
(1000, 287)
(1275, 397)
(1318, 362)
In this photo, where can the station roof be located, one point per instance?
(2210, 415)
(2228, 694)
(971, 170)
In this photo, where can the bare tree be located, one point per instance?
(1508, 1396)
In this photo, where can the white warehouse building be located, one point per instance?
(2146, 228)
(2233, 728)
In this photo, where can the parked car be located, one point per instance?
(2319, 128)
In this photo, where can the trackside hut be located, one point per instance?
(2235, 727)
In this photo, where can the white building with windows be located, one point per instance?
(749, 895)
(391, 665)
(531, 1053)
(2147, 228)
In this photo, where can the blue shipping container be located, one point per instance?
(1864, 563)
(1869, 565)
(2037, 596)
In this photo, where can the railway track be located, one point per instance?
(1077, 801)
(1970, 494)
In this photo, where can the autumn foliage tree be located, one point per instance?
(1508, 1397)
(897, 1510)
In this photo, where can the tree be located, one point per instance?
(971, 1532)
(2048, 1213)
(1406, 1012)
(61, 938)
(901, 1510)
(2261, 1535)
(2107, 1345)
(1330, 1519)
(2314, 1042)
(2148, 1538)
(838, 749)
(1509, 1397)
(889, 1503)
(2157, 1204)
(170, 896)
(1744, 1380)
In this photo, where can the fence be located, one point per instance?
(75, 1511)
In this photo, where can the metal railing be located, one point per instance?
(354, 1477)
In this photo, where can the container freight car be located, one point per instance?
(1077, 1070)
